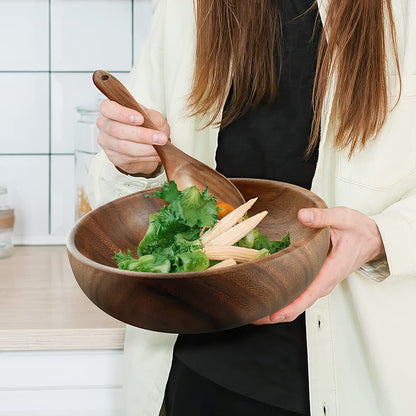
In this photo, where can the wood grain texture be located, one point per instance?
(62, 339)
(180, 167)
(200, 301)
(43, 308)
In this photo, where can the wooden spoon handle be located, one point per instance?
(113, 89)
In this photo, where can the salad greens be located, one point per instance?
(172, 241)
(255, 239)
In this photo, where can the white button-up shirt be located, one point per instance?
(361, 337)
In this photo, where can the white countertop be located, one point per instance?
(43, 308)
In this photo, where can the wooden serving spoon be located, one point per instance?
(180, 167)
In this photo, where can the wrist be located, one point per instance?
(379, 251)
(156, 172)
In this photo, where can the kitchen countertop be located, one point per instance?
(43, 308)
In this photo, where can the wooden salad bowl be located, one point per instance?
(205, 301)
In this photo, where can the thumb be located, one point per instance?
(159, 121)
(339, 217)
(315, 217)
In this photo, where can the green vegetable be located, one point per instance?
(168, 193)
(148, 263)
(257, 240)
(189, 206)
(264, 252)
(123, 260)
(172, 244)
(193, 261)
(172, 237)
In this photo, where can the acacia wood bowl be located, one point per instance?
(197, 302)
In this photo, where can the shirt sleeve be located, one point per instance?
(397, 225)
(146, 84)
(106, 183)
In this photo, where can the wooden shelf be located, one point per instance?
(43, 308)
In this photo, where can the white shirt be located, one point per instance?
(362, 337)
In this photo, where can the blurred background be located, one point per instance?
(48, 51)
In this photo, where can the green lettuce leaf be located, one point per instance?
(148, 263)
(168, 193)
(255, 239)
(192, 261)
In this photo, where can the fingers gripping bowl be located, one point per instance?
(205, 301)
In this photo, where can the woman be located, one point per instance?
(360, 311)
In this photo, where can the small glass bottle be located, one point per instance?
(86, 147)
(6, 224)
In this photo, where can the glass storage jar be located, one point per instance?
(6, 224)
(86, 147)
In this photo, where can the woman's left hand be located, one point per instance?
(355, 240)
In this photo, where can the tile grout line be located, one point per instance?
(50, 124)
(36, 154)
(56, 72)
(19, 71)
(132, 33)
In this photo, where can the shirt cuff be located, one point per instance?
(376, 270)
(135, 183)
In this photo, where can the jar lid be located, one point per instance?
(92, 107)
(88, 109)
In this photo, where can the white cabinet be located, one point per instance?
(59, 354)
(61, 383)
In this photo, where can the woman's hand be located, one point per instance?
(355, 240)
(125, 142)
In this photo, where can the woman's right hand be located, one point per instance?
(128, 145)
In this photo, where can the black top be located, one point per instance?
(269, 362)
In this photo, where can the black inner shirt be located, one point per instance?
(268, 363)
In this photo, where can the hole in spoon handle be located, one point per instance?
(114, 90)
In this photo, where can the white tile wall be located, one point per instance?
(68, 91)
(48, 50)
(24, 113)
(89, 35)
(27, 179)
(24, 35)
(62, 194)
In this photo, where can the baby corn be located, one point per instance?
(239, 254)
(237, 232)
(224, 263)
(227, 222)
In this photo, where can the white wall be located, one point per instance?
(48, 51)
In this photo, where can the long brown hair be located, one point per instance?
(236, 45)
